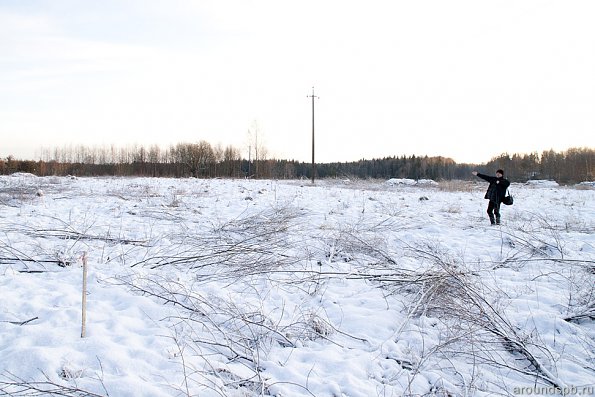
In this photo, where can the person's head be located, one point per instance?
(499, 173)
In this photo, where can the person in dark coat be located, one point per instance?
(496, 192)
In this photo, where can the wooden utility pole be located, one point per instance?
(313, 163)
(249, 161)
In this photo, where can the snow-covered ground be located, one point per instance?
(250, 288)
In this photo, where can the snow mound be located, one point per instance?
(401, 181)
(427, 182)
(542, 183)
(23, 175)
(410, 182)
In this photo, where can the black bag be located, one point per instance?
(508, 200)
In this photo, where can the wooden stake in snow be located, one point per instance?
(84, 305)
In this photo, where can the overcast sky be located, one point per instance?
(462, 79)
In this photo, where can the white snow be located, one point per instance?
(249, 288)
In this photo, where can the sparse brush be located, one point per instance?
(15, 386)
(248, 245)
(456, 295)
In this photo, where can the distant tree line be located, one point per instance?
(202, 160)
(571, 166)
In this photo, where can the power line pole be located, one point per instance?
(313, 163)
(249, 160)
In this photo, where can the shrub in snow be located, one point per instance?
(318, 327)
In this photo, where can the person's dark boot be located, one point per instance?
(497, 220)
(492, 221)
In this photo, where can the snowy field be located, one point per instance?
(281, 288)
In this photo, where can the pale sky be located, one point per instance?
(462, 79)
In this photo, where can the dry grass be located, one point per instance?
(457, 186)
(584, 187)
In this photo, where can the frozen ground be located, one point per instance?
(254, 288)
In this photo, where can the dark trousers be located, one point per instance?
(494, 209)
